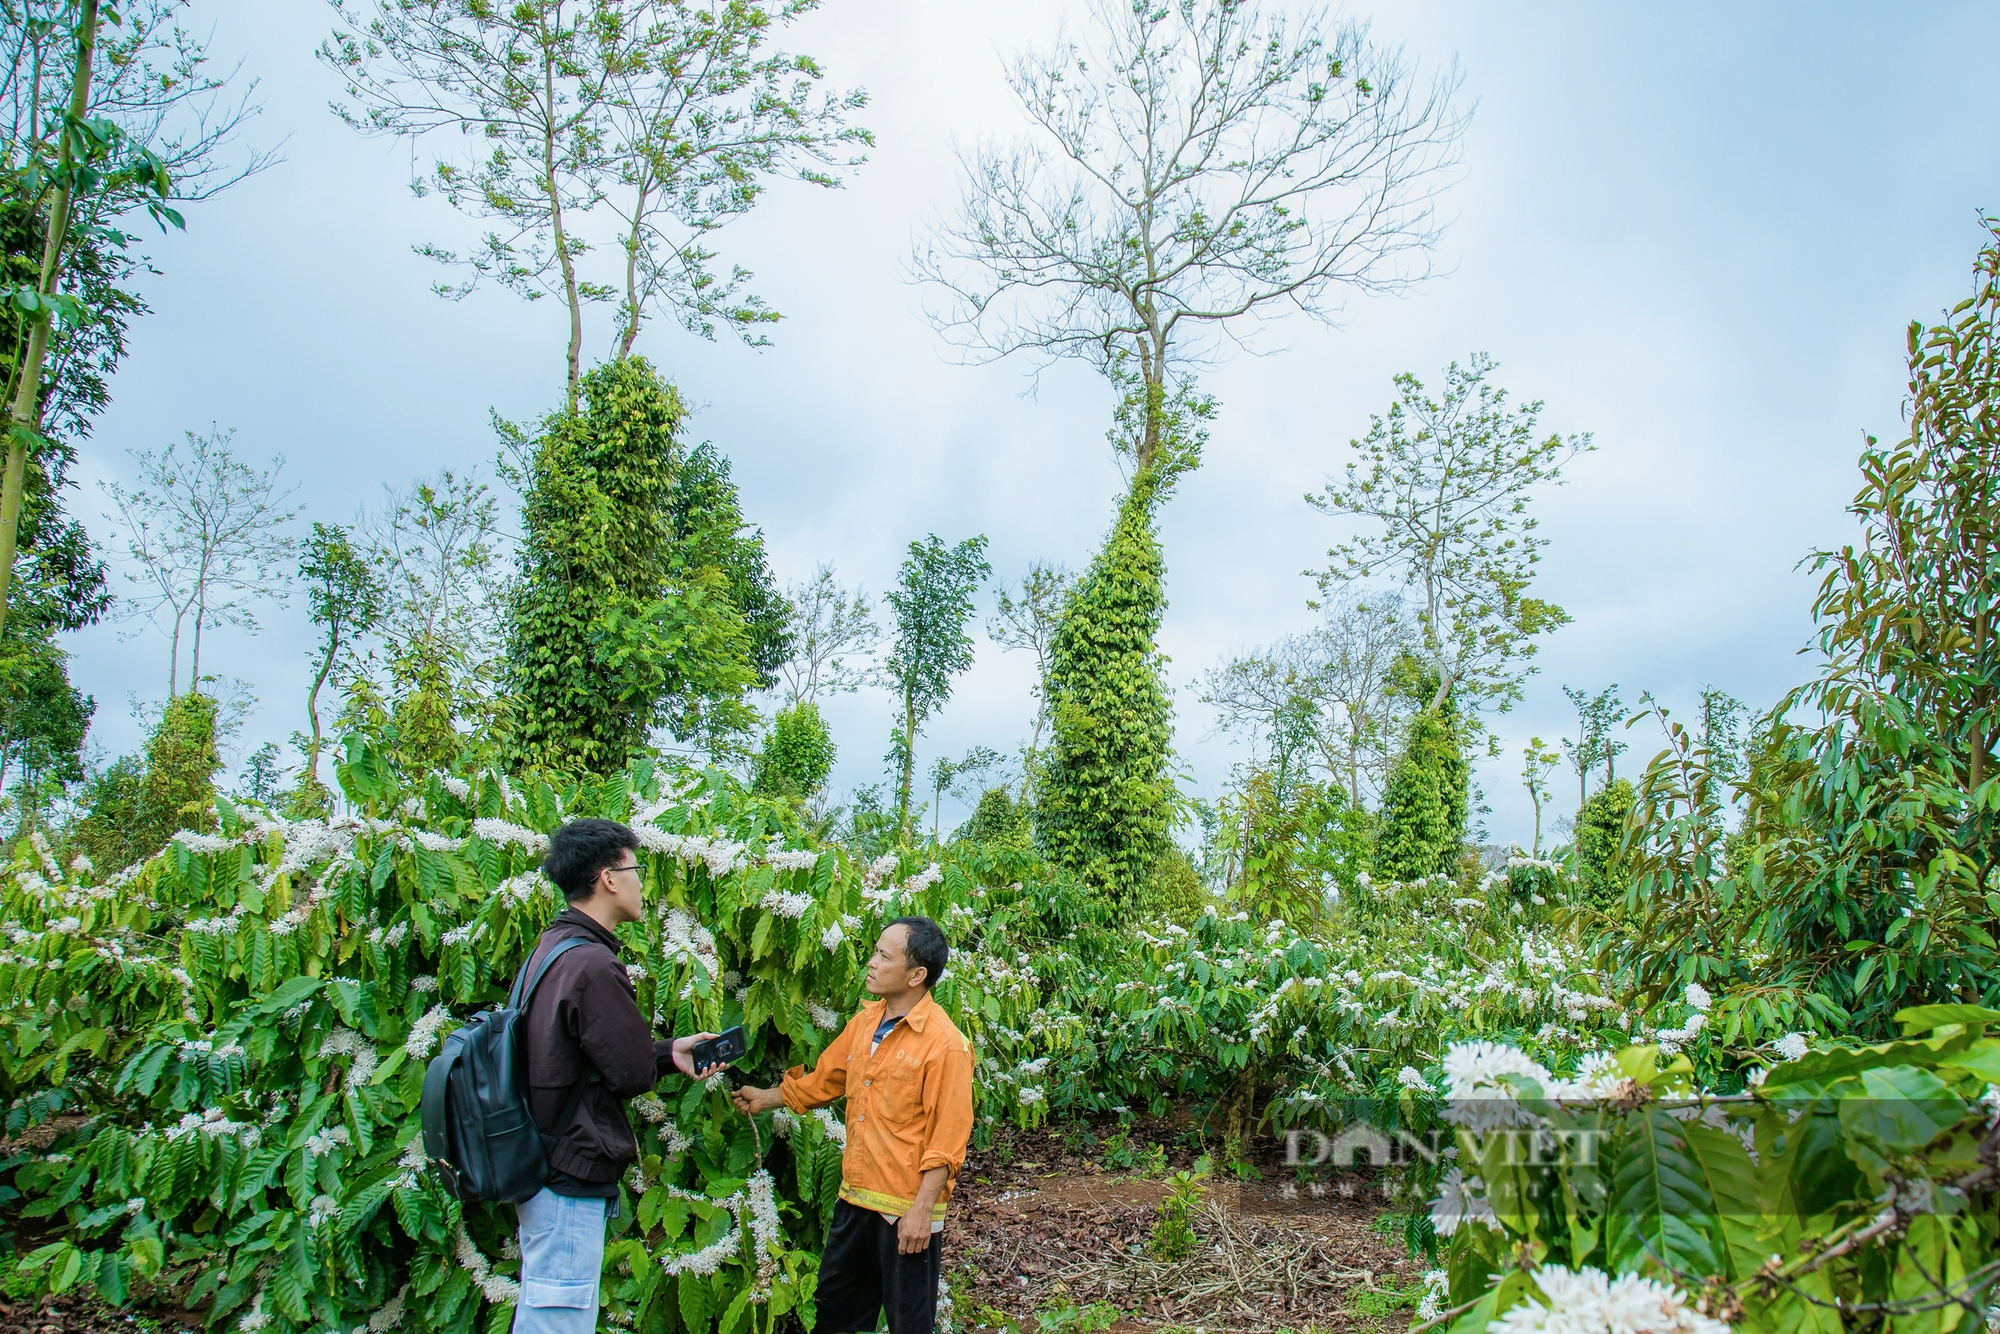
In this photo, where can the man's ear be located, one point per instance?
(917, 976)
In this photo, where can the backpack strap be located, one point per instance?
(437, 1139)
(520, 997)
(519, 1001)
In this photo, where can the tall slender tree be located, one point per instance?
(932, 604)
(1597, 720)
(206, 533)
(439, 550)
(1339, 677)
(1537, 762)
(635, 130)
(1026, 618)
(345, 597)
(1442, 487)
(833, 636)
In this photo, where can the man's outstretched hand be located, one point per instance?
(684, 1056)
(751, 1101)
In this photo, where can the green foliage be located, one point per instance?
(670, 118)
(1849, 1179)
(181, 763)
(110, 802)
(932, 602)
(1172, 1238)
(1174, 892)
(1600, 832)
(614, 629)
(1597, 725)
(1026, 618)
(42, 716)
(705, 520)
(261, 775)
(69, 175)
(1302, 841)
(1106, 799)
(1862, 881)
(1069, 1318)
(1421, 828)
(135, 806)
(998, 820)
(239, 1028)
(797, 756)
(58, 580)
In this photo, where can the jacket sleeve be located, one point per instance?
(803, 1091)
(948, 1110)
(604, 1019)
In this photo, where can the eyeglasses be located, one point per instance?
(640, 867)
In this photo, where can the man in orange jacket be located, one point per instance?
(907, 1075)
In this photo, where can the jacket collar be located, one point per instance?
(583, 922)
(918, 1015)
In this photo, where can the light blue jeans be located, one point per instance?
(562, 1252)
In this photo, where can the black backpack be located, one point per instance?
(479, 1133)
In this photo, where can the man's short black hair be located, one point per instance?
(925, 947)
(582, 848)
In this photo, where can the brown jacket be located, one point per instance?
(909, 1104)
(585, 1015)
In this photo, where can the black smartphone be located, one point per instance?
(726, 1046)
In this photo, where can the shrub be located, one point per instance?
(999, 820)
(797, 756)
(1600, 829)
(1851, 1179)
(1422, 824)
(242, 1024)
(1173, 1237)
(1174, 892)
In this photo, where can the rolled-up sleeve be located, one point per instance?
(948, 1110)
(804, 1089)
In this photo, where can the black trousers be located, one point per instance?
(861, 1274)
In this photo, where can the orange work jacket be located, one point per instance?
(909, 1105)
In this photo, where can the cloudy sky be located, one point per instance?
(1695, 230)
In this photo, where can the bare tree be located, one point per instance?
(833, 635)
(1342, 676)
(1026, 618)
(1200, 167)
(437, 548)
(205, 533)
(664, 113)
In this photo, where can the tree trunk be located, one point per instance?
(556, 222)
(909, 763)
(24, 414)
(174, 657)
(194, 664)
(312, 711)
(631, 334)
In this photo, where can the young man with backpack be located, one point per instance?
(589, 1050)
(907, 1075)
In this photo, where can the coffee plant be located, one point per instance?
(1851, 1188)
(213, 1058)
